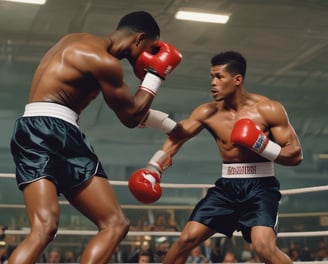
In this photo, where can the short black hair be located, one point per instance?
(140, 21)
(236, 63)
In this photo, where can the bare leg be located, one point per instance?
(264, 244)
(97, 201)
(43, 211)
(192, 235)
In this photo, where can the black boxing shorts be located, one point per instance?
(47, 143)
(246, 195)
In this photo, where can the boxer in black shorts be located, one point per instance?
(251, 132)
(233, 202)
(53, 156)
(66, 157)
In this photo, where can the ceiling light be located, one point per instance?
(36, 2)
(323, 156)
(202, 17)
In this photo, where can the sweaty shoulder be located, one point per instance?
(78, 66)
(272, 111)
(90, 54)
(205, 111)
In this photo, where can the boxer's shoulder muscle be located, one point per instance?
(273, 112)
(205, 111)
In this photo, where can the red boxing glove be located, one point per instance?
(246, 133)
(161, 63)
(144, 184)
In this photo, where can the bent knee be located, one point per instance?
(117, 225)
(263, 248)
(124, 226)
(45, 231)
(187, 241)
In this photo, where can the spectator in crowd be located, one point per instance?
(294, 254)
(211, 250)
(144, 247)
(247, 252)
(162, 246)
(161, 222)
(306, 254)
(229, 257)
(196, 256)
(54, 256)
(144, 257)
(69, 257)
(119, 255)
(322, 252)
(216, 255)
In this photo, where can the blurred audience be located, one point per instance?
(144, 257)
(229, 257)
(322, 252)
(54, 256)
(196, 256)
(161, 247)
(211, 250)
(144, 247)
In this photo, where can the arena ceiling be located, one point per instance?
(284, 41)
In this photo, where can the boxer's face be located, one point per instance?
(223, 83)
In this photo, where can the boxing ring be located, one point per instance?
(78, 234)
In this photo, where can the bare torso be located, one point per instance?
(220, 122)
(218, 118)
(65, 76)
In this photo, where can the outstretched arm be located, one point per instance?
(185, 130)
(144, 183)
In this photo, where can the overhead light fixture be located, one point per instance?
(202, 17)
(323, 156)
(35, 2)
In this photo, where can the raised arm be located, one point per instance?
(129, 108)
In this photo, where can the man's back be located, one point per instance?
(65, 74)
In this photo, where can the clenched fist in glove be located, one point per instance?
(246, 133)
(144, 183)
(153, 68)
(145, 186)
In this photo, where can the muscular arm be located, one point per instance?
(129, 108)
(282, 132)
(186, 130)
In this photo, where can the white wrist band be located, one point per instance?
(271, 151)
(160, 120)
(161, 160)
(151, 83)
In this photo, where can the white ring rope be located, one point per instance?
(26, 231)
(202, 186)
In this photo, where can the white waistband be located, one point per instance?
(248, 170)
(52, 110)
